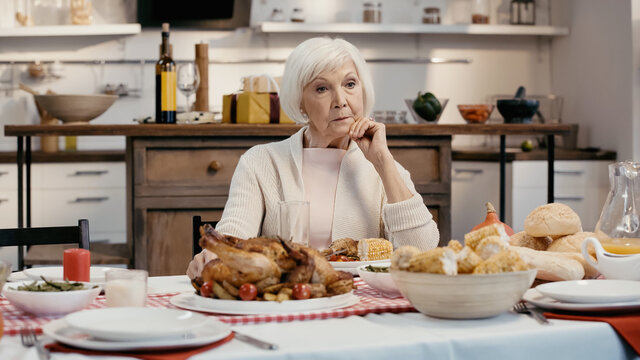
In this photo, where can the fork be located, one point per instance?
(521, 308)
(28, 338)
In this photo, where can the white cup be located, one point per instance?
(294, 221)
(126, 288)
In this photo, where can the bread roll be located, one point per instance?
(552, 266)
(552, 220)
(525, 240)
(572, 243)
(467, 260)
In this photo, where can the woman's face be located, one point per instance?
(333, 101)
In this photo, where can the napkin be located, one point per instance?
(177, 354)
(626, 325)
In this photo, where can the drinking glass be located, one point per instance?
(188, 81)
(126, 287)
(294, 221)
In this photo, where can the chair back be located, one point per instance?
(197, 222)
(51, 235)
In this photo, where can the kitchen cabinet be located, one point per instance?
(583, 185)
(8, 206)
(62, 193)
(177, 178)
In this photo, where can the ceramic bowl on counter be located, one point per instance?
(50, 303)
(379, 280)
(475, 113)
(75, 108)
(463, 296)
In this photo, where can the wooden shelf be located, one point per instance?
(356, 28)
(71, 30)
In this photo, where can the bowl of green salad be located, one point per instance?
(45, 297)
(378, 277)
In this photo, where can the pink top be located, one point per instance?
(320, 169)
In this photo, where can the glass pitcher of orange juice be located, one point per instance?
(618, 228)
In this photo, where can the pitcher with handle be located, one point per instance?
(617, 241)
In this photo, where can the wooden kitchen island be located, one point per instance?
(177, 171)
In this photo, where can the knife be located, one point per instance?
(255, 342)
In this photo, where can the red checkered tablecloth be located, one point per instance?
(371, 301)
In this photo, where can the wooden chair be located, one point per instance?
(53, 235)
(197, 222)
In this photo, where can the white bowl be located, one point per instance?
(379, 280)
(463, 296)
(50, 303)
(75, 108)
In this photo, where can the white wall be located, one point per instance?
(594, 65)
(499, 65)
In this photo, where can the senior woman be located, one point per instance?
(339, 161)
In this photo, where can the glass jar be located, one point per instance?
(297, 15)
(277, 15)
(480, 11)
(81, 12)
(372, 13)
(23, 15)
(431, 15)
(49, 12)
(527, 12)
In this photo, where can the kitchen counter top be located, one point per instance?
(515, 154)
(213, 130)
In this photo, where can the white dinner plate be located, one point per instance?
(54, 273)
(592, 291)
(352, 266)
(536, 298)
(192, 301)
(212, 331)
(135, 323)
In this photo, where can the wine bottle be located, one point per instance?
(166, 83)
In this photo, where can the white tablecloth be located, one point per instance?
(398, 336)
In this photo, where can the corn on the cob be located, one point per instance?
(374, 249)
(455, 245)
(402, 256)
(504, 261)
(440, 260)
(473, 238)
(467, 260)
(490, 246)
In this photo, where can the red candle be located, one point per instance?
(76, 264)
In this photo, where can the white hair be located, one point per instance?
(313, 57)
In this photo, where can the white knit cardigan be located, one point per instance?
(270, 173)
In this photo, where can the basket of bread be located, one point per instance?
(551, 242)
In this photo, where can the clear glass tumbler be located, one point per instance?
(294, 221)
(126, 287)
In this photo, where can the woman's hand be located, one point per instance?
(197, 264)
(371, 138)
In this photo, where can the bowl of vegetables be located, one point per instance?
(378, 277)
(426, 108)
(50, 297)
(475, 113)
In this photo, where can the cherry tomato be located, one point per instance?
(206, 289)
(248, 292)
(333, 257)
(301, 291)
(344, 258)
